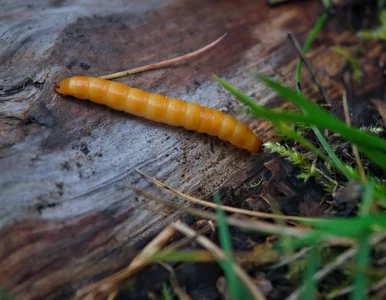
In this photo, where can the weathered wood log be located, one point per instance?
(66, 216)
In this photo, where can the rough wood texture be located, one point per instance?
(66, 218)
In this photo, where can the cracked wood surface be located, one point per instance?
(66, 217)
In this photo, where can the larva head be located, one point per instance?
(63, 87)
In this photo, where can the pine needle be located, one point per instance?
(223, 207)
(164, 63)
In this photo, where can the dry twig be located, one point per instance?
(223, 207)
(220, 255)
(182, 295)
(354, 148)
(249, 224)
(378, 286)
(337, 262)
(290, 258)
(164, 63)
(108, 287)
(310, 69)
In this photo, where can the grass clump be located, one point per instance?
(368, 223)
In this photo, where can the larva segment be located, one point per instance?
(117, 95)
(176, 112)
(228, 128)
(81, 87)
(156, 107)
(242, 138)
(206, 118)
(192, 116)
(217, 120)
(98, 91)
(136, 102)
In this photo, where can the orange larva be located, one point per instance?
(158, 108)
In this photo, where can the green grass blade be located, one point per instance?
(367, 199)
(166, 293)
(376, 156)
(349, 225)
(234, 286)
(361, 278)
(363, 257)
(292, 134)
(311, 108)
(354, 63)
(334, 158)
(317, 116)
(311, 239)
(312, 267)
(307, 45)
(7, 295)
(327, 3)
(310, 39)
(343, 227)
(378, 33)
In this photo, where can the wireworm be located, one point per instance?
(159, 108)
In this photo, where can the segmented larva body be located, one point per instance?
(158, 108)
